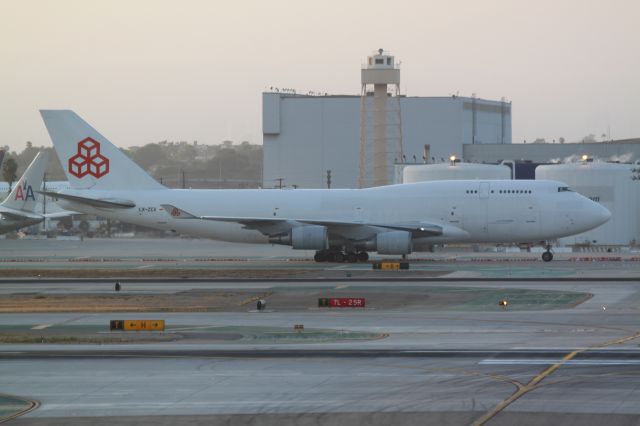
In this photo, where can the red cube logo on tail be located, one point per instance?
(88, 160)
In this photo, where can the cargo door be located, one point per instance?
(484, 193)
(476, 206)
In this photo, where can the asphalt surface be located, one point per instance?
(123, 389)
(454, 364)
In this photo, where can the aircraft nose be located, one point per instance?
(601, 214)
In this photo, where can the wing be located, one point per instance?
(93, 202)
(58, 215)
(351, 230)
(19, 215)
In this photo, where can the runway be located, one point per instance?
(434, 348)
(228, 388)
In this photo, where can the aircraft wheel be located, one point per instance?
(352, 257)
(547, 256)
(320, 256)
(338, 257)
(363, 256)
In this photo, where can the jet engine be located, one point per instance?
(310, 237)
(307, 237)
(394, 242)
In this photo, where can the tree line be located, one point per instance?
(174, 164)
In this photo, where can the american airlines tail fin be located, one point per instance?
(89, 160)
(23, 194)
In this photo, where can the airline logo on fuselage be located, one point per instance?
(88, 160)
(25, 193)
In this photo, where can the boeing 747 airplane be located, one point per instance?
(339, 224)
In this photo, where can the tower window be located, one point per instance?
(379, 61)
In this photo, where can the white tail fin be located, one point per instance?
(89, 160)
(23, 195)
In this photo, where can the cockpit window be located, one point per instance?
(564, 189)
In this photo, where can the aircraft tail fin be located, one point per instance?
(88, 159)
(23, 194)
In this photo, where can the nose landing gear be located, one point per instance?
(547, 256)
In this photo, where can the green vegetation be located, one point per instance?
(522, 299)
(175, 164)
(95, 334)
(10, 406)
(9, 169)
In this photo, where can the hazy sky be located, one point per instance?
(145, 71)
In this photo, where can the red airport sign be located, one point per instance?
(342, 302)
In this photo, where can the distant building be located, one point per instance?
(354, 141)
(304, 136)
(528, 156)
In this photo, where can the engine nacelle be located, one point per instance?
(307, 237)
(310, 237)
(394, 242)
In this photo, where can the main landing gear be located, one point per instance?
(547, 256)
(339, 256)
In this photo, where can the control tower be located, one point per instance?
(380, 120)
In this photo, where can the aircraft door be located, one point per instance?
(531, 225)
(455, 215)
(483, 191)
(358, 214)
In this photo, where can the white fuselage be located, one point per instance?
(468, 211)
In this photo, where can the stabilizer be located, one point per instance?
(108, 203)
(88, 159)
(23, 194)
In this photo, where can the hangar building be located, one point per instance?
(304, 136)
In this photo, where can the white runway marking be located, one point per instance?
(41, 326)
(581, 362)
